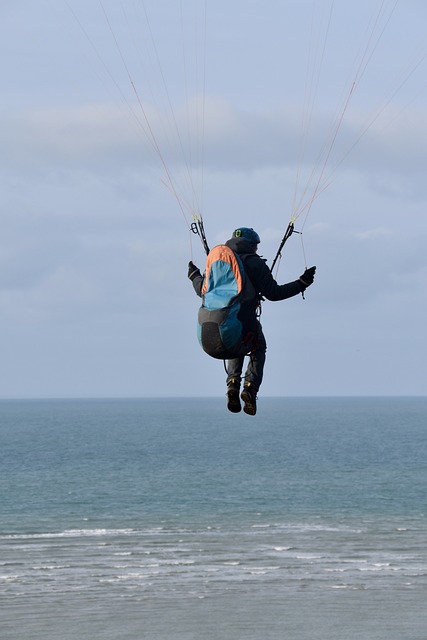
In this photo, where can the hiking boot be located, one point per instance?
(233, 400)
(249, 398)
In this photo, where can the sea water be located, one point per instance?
(173, 519)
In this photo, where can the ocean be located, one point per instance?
(173, 519)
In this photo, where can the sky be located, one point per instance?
(117, 116)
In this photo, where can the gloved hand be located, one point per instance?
(193, 271)
(307, 277)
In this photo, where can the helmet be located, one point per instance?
(247, 234)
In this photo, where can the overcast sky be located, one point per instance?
(94, 247)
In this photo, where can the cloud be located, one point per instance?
(91, 137)
(117, 139)
(377, 233)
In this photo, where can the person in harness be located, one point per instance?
(259, 284)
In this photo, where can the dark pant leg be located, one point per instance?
(234, 370)
(255, 370)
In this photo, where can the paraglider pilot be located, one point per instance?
(244, 242)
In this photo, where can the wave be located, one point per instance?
(69, 533)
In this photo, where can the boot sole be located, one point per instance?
(250, 406)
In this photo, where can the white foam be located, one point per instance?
(69, 533)
(339, 586)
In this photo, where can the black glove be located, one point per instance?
(307, 277)
(193, 271)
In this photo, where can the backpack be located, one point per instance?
(220, 330)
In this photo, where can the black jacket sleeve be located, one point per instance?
(263, 281)
(197, 284)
